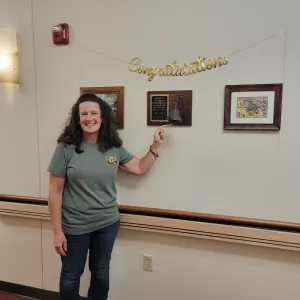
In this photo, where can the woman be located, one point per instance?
(82, 193)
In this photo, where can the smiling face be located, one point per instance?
(90, 119)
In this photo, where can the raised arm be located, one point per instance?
(140, 166)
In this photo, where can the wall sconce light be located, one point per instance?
(9, 66)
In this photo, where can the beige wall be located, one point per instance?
(183, 268)
(233, 173)
(21, 251)
(202, 181)
(19, 161)
(200, 168)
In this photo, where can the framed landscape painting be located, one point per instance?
(253, 107)
(114, 96)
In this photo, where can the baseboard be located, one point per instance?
(27, 291)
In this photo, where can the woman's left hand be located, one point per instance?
(158, 138)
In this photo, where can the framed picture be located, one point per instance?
(114, 96)
(169, 107)
(253, 107)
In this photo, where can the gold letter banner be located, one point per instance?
(176, 70)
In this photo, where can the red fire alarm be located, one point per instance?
(60, 34)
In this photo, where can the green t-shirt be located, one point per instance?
(89, 200)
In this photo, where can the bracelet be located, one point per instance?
(155, 154)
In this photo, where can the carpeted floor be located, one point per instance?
(11, 297)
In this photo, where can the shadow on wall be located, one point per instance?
(133, 182)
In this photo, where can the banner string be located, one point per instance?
(256, 43)
(97, 52)
(228, 55)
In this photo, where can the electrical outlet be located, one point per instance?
(147, 263)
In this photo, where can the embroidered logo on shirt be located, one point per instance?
(112, 160)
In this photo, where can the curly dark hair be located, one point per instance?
(108, 136)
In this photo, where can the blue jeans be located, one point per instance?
(100, 244)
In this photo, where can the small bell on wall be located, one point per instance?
(174, 115)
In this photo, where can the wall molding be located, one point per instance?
(175, 214)
(194, 225)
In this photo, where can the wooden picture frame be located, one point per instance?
(253, 107)
(114, 96)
